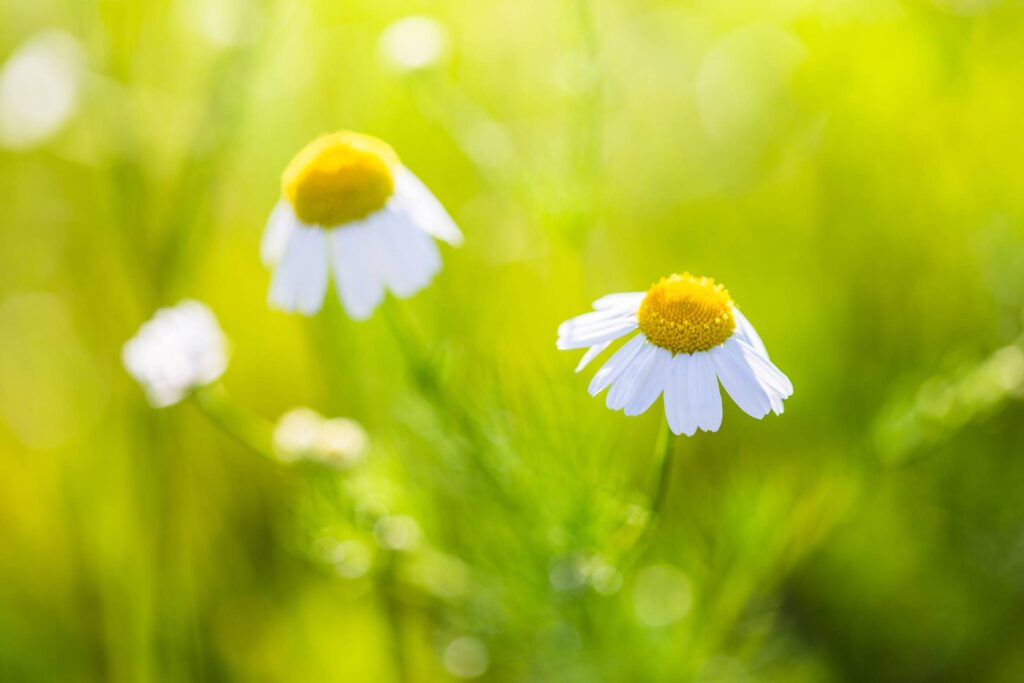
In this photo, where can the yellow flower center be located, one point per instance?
(339, 178)
(685, 314)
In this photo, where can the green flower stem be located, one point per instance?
(393, 613)
(249, 429)
(430, 385)
(632, 539)
(663, 455)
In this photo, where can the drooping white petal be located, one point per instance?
(630, 300)
(616, 365)
(677, 402)
(428, 213)
(775, 383)
(702, 390)
(356, 279)
(747, 333)
(626, 386)
(651, 383)
(280, 226)
(592, 353)
(405, 257)
(300, 278)
(739, 381)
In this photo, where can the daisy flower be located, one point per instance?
(692, 336)
(350, 207)
(177, 350)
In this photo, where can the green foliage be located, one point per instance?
(851, 171)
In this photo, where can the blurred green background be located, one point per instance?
(851, 170)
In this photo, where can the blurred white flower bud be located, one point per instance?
(179, 349)
(413, 43)
(296, 433)
(340, 442)
(351, 559)
(466, 657)
(39, 88)
(303, 434)
(397, 532)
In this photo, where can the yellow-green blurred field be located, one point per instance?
(853, 171)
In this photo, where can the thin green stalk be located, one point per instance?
(428, 382)
(632, 540)
(393, 614)
(393, 611)
(248, 429)
(664, 457)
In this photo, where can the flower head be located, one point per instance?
(413, 43)
(177, 350)
(303, 434)
(348, 205)
(692, 336)
(40, 88)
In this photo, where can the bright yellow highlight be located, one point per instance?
(685, 314)
(339, 178)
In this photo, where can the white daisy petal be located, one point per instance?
(406, 256)
(766, 372)
(630, 300)
(677, 402)
(280, 226)
(424, 207)
(747, 333)
(611, 330)
(702, 390)
(626, 386)
(616, 365)
(591, 320)
(358, 283)
(651, 383)
(300, 278)
(738, 379)
(575, 332)
(592, 353)
(775, 383)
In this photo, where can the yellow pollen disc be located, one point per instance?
(685, 314)
(339, 178)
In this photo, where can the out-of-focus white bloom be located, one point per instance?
(466, 657)
(351, 559)
(39, 88)
(341, 442)
(223, 23)
(303, 434)
(295, 433)
(397, 532)
(413, 43)
(179, 349)
(350, 207)
(691, 337)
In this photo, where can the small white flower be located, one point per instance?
(413, 43)
(177, 350)
(691, 337)
(304, 434)
(295, 433)
(40, 86)
(350, 207)
(341, 442)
